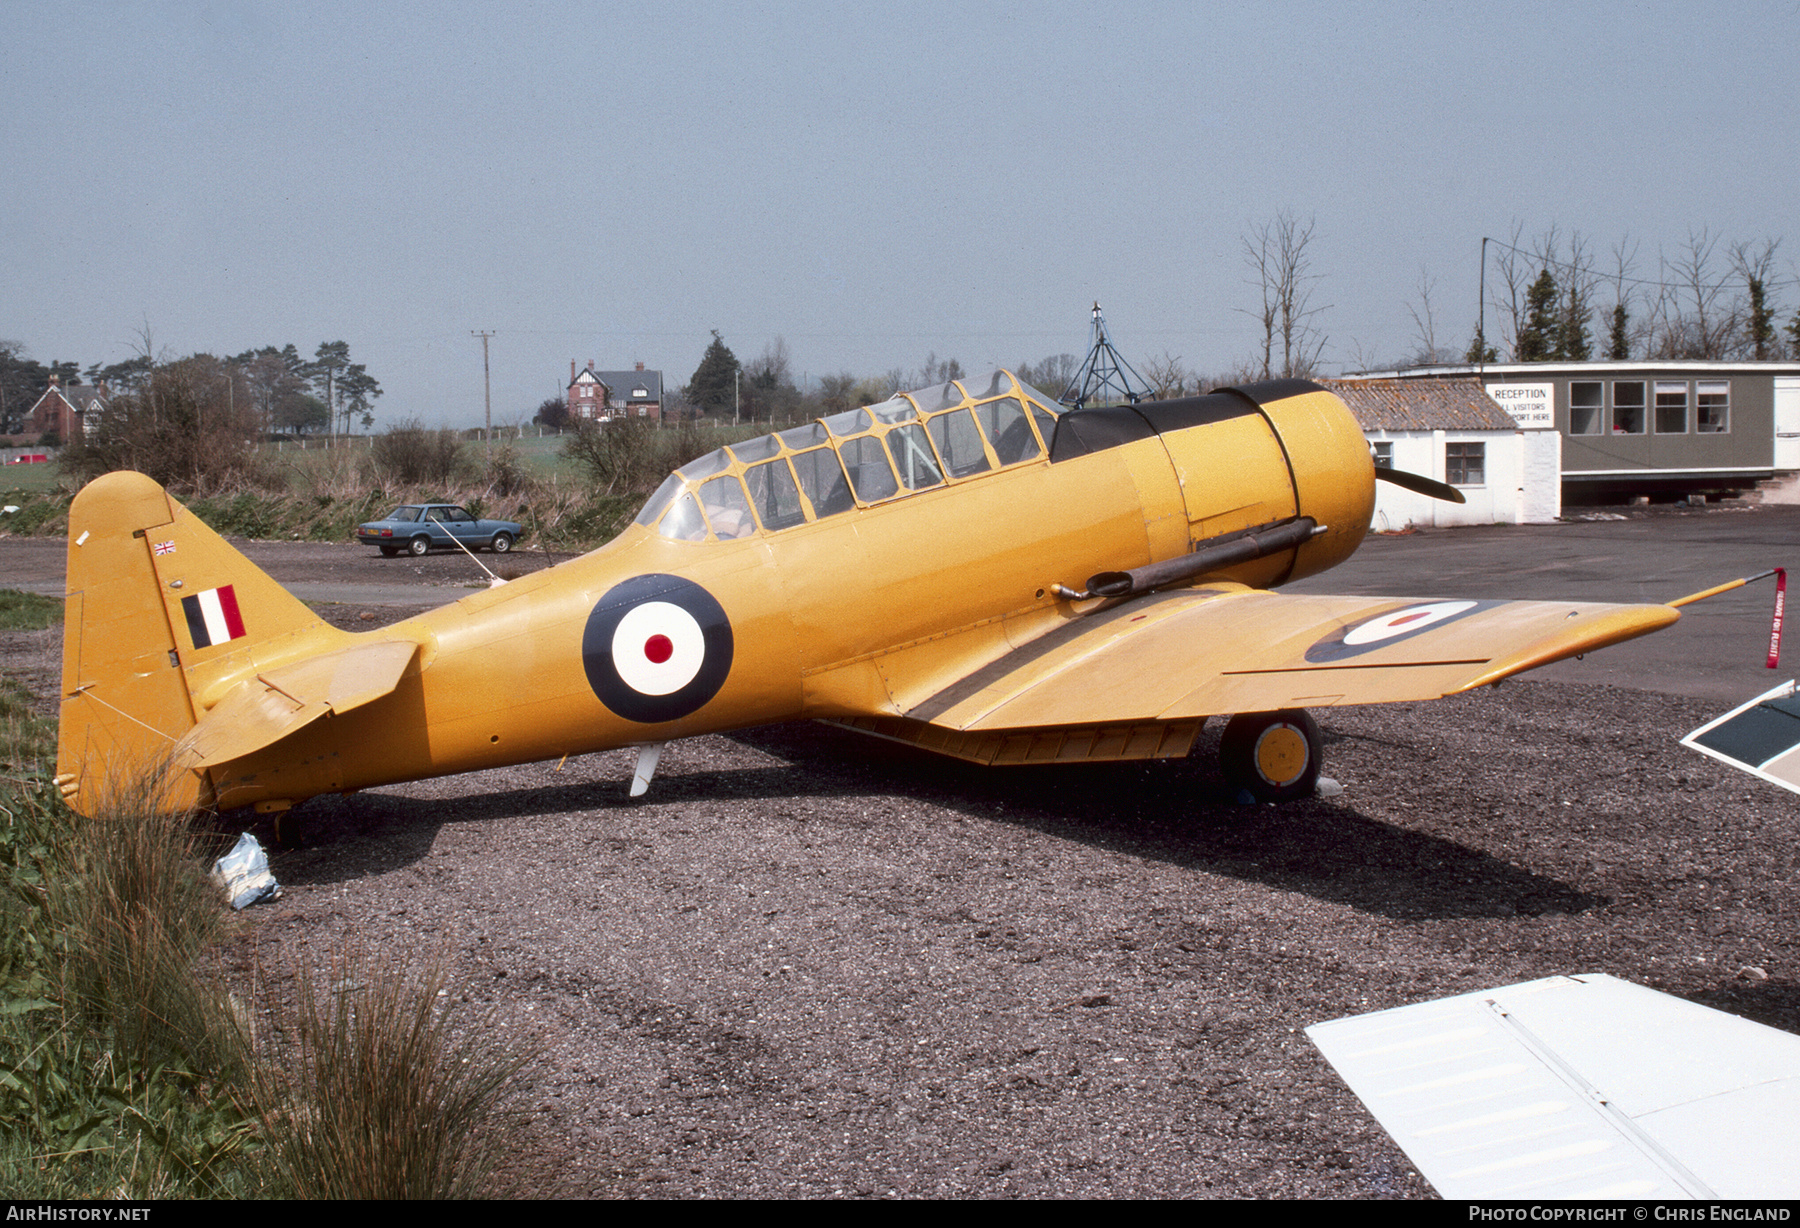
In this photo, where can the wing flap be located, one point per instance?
(1226, 648)
(262, 710)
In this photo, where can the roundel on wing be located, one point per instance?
(656, 648)
(1388, 628)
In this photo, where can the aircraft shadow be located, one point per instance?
(1179, 812)
(1182, 812)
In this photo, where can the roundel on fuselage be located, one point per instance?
(656, 648)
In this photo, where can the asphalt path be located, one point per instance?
(1717, 652)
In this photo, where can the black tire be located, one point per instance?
(1275, 755)
(388, 552)
(501, 544)
(420, 546)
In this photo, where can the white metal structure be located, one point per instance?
(1578, 1087)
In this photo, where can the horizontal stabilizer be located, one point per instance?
(268, 707)
(1578, 1087)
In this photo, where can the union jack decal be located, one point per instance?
(164, 547)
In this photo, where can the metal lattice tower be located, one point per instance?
(1104, 378)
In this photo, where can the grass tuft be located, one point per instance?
(134, 905)
(379, 1094)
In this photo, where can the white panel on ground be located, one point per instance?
(1578, 1087)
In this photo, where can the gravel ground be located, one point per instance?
(811, 965)
(808, 964)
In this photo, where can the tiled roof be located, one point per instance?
(1421, 405)
(623, 383)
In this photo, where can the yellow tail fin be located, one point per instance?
(163, 618)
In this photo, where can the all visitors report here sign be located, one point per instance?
(1532, 406)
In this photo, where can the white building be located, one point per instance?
(1453, 431)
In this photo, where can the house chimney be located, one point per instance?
(571, 370)
(640, 366)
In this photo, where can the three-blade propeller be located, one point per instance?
(1420, 485)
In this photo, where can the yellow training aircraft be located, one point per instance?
(968, 568)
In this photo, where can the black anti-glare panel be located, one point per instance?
(1266, 392)
(1081, 431)
(1193, 411)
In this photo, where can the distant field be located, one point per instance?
(33, 479)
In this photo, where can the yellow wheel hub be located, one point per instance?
(1281, 754)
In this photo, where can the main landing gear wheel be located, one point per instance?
(1275, 755)
(420, 545)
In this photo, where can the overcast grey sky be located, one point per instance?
(870, 182)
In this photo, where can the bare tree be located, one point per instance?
(1516, 273)
(1424, 319)
(1050, 375)
(1693, 318)
(1261, 262)
(772, 367)
(1167, 377)
(836, 391)
(1278, 253)
(1575, 309)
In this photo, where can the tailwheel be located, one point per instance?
(1275, 755)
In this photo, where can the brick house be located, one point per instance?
(601, 396)
(63, 410)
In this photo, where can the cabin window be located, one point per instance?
(1465, 463)
(1008, 431)
(684, 523)
(774, 495)
(704, 466)
(938, 396)
(1712, 406)
(850, 422)
(959, 443)
(760, 448)
(822, 478)
(1628, 407)
(664, 494)
(999, 383)
(870, 474)
(1587, 407)
(913, 458)
(726, 508)
(810, 435)
(896, 409)
(1671, 407)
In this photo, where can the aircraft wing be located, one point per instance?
(1578, 1087)
(1181, 656)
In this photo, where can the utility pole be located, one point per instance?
(487, 390)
